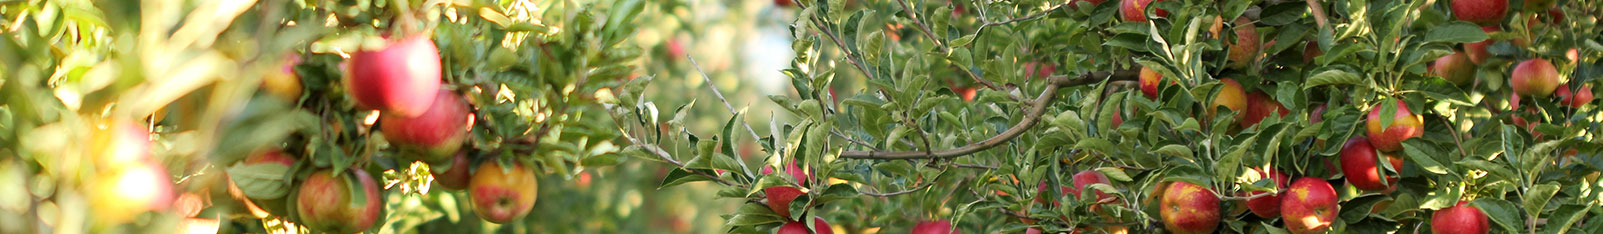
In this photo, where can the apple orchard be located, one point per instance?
(895, 116)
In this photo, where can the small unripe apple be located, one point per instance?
(1535, 78)
(433, 136)
(1360, 164)
(1459, 219)
(934, 227)
(1135, 10)
(1149, 82)
(127, 191)
(400, 79)
(1260, 106)
(1455, 67)
(501, 194)
(1189, 209)
(1575, 100)
(1268, 206)
(1245, 49)
(456, 175)
(1483, 12)
(325, 203)
(1404, 124)
(1477, 50)
(796, 227)
(1310, 205)
(1231, 96)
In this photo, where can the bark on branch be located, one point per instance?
(1037, 109)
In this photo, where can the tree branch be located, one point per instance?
(731, 109)
(1319, 13)
(1029, 121)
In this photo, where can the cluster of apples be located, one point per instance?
(1531, 78)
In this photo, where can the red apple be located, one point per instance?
(1135, 10)
(934, 227)
(1040, 70)
(1455, 67)
(1459, 219)
(1189, 209)
(1244, 50)
(433, 136)
(455, 175)
(325, 203)
(1405, 124)
(1149, 82)
(795, 227)
(1359, 163)
(1535, 77)
(1310, 206)
(1556, 15)
(1317, 114)
(779, 198)
(1477, 50)
(1087, 178)
(400, 79)
(967, 93)
(1231, 96)
(784, 3)
(1268, 206)
(1576, 100)
(1311, 51)
(501, 194)
(1260, 106)
(1483, 12)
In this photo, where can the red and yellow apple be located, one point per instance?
(500, 194)
(1483, 12)
(1149, 81)
(1189, 209)
(433, 136)
(1244, 51)
(400, 79)
(1135, 10)
(1360, 164)
(1575, 99)
(1309, 206)
(779, 198)
(1260, 106)
(1534, 78)
(1405, 124)
(1477, 50)
(325, 203)
(1459, 219)
(1231, 96)
(797, 227)
(283, 83)
(1087, 178)
(1455, 67)
(1268, 206)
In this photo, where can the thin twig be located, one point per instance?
(854, 140)
(1234, 198)
(731, 109)
(975, 166)
(915, 189)
(1030, 119)
(665, 157)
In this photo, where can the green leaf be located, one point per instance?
(678, 177)
(1115, 174)
(900, 168)
(1421, 153)
(1456, 32)
(1095, 144)
(1332, 77)
(1565, 217)
(1497, 170)
(1502, 212)
(261, 180)
(601, 160)
(1175, 150)
(1538, 196)
(747, 220)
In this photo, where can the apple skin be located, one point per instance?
(117, 143)
(500, 194)
(779, 198)
(1268, 206)
(1310, 205)
(324, 202)
(1482, 12)
(435, 135)
(1149, 82)
(283, 83)
(400, 79)
(967, 93)
(1311, 51)
(122, 194)
(934, 227)
(1459, 219)
(1455, 67)
(1189, 209)
(1534, 78)
(1575, 100)
(1231, 96)
(1405, 124)
(1260, 106)
(1358, 162)
(1135, 10)
(1477, 50)
(455, 176)
(1087, 178)
(1245, 49)
(796, 227)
